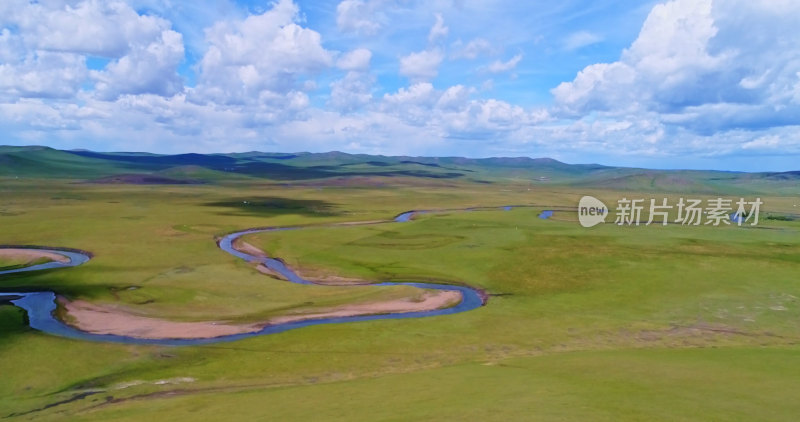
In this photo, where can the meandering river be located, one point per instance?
(41, 306)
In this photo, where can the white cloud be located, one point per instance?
(671, 48)
(452, 114)
(453, 98)
(147, 69)
(352, 92)
(91, 27)
(357, 16)
(500, 113)
(10, 46)
(259, 58)
(763, 142)
(42, 74)
(795, 90)
(598, 87)
(421, 93)
(673, 42)
(45, 54)
(412, 105)
(581, 39)
(496, 123)
(498, 66)
(472, 49)
(421, 65)
(357, 59)
(438, 30)
(696, 65)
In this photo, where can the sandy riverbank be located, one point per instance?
(314, 277)
(110, 319)
(27, 255)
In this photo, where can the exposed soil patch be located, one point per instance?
(430, 301)
(105, 319)
(28, 255)
(242, 246)
(317, 277)
(332, 280)
(108, 319)
(263, 269)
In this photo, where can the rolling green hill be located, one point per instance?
(145, 168)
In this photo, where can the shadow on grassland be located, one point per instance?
(13, 321)
(269, 206)
(285, 172)
(265, 169)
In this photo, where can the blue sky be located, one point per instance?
(664, 84)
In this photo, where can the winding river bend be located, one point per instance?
(41, 306)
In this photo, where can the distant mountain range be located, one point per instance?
(146, 168)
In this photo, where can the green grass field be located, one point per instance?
(14, 263)
(608, 323)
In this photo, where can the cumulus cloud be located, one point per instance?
(472, 49)
(453, 98)
(580, 39)
(357, 59)
(418, 94)
(498, 66)
(45, 54)
(413, 105)
(357, 16)
(438, 30)
(452, 114)
(91, 27)
(695, 65)
(260, 58)
(147, 69)
(42, 74)
(421, 65)
(498, 115)
(352, 92)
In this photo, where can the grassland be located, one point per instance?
(11, 263)
(609, 323)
